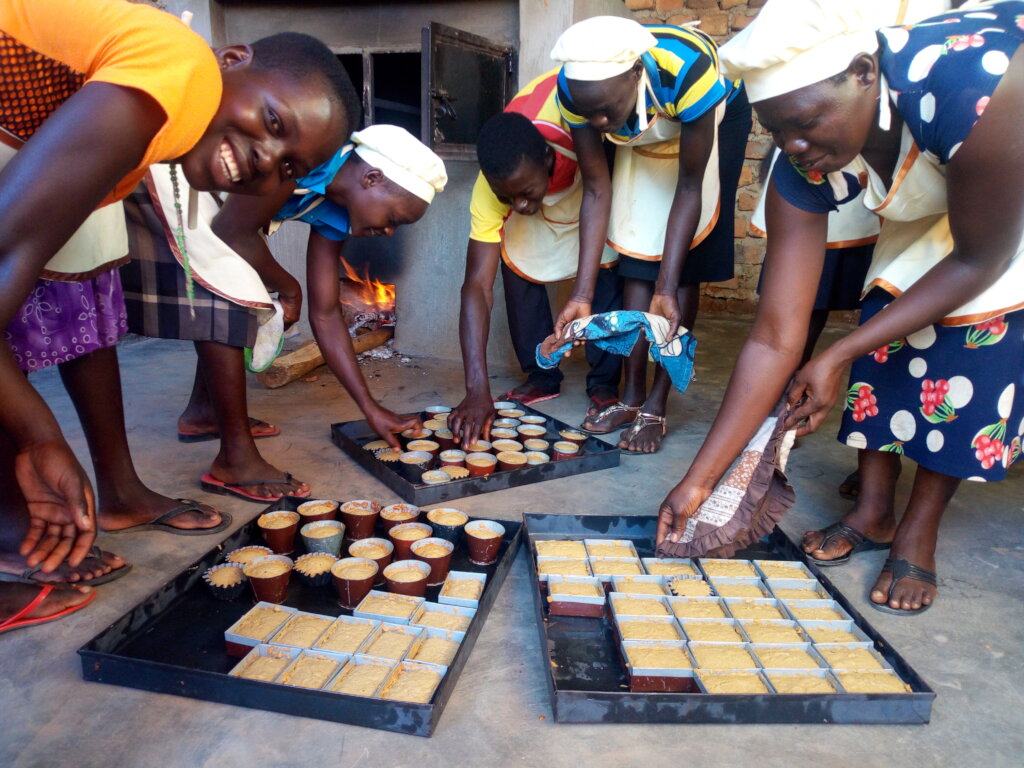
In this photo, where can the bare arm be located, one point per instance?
(41, 206)
(473, 416)
(768, 358)
(595, 211)
(239, 223)
(332, 335)
(696, 141)
(988, 167)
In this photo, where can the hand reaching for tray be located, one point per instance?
(680, 505)
(387, 424)
(472, 418)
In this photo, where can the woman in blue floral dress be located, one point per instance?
(925, 120)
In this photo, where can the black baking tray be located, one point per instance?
(587, 682)
(173, 642)
(595, 454)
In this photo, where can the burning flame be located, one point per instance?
(372, 293)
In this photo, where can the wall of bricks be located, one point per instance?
(721, 19)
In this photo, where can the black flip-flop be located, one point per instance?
(903, 569)
(859, 542)
(162, 523)
(25, 577)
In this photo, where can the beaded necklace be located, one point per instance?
(179, 238)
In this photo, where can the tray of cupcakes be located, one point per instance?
(525, 446)
(351, 611)
(761, 637)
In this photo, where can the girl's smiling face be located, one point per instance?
(269, 129)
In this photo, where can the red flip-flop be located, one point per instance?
(17, 622)
(530, 397)
(258, 428)
(212, 485)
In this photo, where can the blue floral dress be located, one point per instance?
(950, 397)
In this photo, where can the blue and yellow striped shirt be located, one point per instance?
(684, 76)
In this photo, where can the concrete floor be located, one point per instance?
(967, 646)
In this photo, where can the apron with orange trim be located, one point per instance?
(915, 234)
(644, 185)
(545, 247)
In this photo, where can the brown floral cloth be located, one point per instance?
(748, 503)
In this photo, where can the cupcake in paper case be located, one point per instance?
(376, 445)
(316, 510)
(244, 555)
(455, 473)
(226, 581)
(437, 477)
(435, 424)
(323, 536)
(268, 576)
(314, 569)
(388, 456)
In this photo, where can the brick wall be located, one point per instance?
(721, 19)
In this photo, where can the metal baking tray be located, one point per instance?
(173, 642)
(588, 683)
(595, 454)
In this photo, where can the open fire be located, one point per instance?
(367, 303)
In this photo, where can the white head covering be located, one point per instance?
(795, 43)
(601, 47)
(402, 158)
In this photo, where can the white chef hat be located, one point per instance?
(601, 47)
(402, 158)
(795, 43)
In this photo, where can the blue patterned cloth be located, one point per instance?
(310, 205)
(617, 332)
(943, 72)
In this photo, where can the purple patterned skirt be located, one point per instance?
(62, 321)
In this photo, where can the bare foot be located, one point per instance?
(252, 478)
(139, 505)
(14, 598)
(915, 542)
(644, 434)
(878, 527)
(189, 424)
(609, 419)
(90, 568)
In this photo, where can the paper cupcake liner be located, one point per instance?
(319, 579)
(225, 593)
(263, 551)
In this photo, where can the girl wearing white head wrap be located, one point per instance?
(657, 93)
(383, 179)
(924, 120)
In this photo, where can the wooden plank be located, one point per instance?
(298, 363)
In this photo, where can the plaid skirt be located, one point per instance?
(155, 293)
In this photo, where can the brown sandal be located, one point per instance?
(601, 422)
(641, 422)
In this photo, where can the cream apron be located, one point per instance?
(915, 235)
(850, 226)
(99, 245)
(545, 247)
(644, 185)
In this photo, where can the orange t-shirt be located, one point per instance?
(49, 49)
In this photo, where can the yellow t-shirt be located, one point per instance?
(537, 102)
(49, 49)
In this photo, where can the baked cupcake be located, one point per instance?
(455, 473)
(435, 424)
(245, 555)
(226, 581)
(314, 569)
(388, 456)
(376, 445)
(438, 477)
